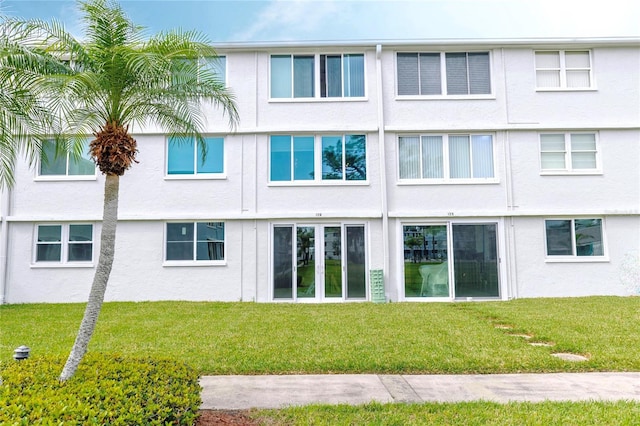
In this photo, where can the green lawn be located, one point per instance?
(250, 338)
(466, 413)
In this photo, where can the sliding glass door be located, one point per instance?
(283, 272)
(315, 262)
(355, 263)
(451, 260)
(306, 262)
(426, 263)
(475, 260)
(332, 269)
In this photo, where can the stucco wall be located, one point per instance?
(538, 277)
(615, 189)
(519, 198)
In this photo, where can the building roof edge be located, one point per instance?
(492, 42)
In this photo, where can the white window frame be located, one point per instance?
(196, 156)
(443, 77)
(64, 177)
(562, 69)
(449, 224)
(64, 247)
(343, 225)
(317, 162)
(574, 258)
(446, 179)
(568, 165)
(194, 261)
(317, 80)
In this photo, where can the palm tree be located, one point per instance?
(26, 117)
(121, 79)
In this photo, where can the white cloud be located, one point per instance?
(415, 19)
(290, 20)
(589, 18)
(72, 18)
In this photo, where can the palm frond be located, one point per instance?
(114, 74)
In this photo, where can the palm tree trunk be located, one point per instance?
(100, 279)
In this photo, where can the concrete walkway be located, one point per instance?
(242, 392)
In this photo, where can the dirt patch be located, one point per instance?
(224, 417)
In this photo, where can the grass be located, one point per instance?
(467, 413)
(393, 338)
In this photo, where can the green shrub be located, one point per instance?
(107, 389)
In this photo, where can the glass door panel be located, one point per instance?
(306, 270)
(332, 261)
(283, 262)
(426, 265)
(475, 258)
(314, 262)
(356, 274)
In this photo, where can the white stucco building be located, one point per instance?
(463, 169)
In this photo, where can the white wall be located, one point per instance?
(514, 113)
(585, 277)
(442, 113)
(613, 103)
(617, 189)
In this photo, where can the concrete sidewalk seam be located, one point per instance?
(275, 391)
(399, 389)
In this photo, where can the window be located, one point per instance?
(64, 243)
(446, 157)
(560, 69)
(452, 260)
(218, 66)
(55, 162)
(190, 71)
(568, 152)
(454, 73)
(199, 241)
(296, 76)
(341, 76)
(574, 237)
(187, 157)
(338, 157)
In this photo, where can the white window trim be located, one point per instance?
(190, 263)
(315, 100)
(445, 159)
(563, 72)
(570, 171)
(342, 224)
(313, 183)
(317, 163)
(443, 79)
(61, 178)
(64, 250)
(195, 175)
(575, 258)
(479, 181)
(316, 80)
(500, 244)
(401, 98)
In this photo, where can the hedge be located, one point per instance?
(107, 389)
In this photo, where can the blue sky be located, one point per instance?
(326, 20)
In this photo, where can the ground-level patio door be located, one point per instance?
(451, 260)
(319, 262)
